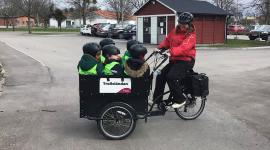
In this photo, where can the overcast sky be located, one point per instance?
(64, 4)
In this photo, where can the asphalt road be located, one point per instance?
(40, 106)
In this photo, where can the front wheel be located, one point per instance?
(252, 38)
(118, 121)
(192, 109)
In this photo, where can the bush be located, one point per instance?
(41, 29)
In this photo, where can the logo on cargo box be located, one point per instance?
(115, 85)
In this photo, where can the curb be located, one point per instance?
(244, 48)
(2, 78)
(10, 45)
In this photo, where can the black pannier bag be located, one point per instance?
(197, 84)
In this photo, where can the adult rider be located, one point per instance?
(181, 43)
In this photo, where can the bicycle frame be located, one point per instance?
(156, 66)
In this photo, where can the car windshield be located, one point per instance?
(106, 27)
(264, 28)
(120, 26)
(256, 27)
(103, 25)
(128, 27)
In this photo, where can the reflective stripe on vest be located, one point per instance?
(108, 68)
(92, 71)
(125, 58)
(102, 59)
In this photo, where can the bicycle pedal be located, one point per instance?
(162, 107)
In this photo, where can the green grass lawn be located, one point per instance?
(40, 29)
(232, 43)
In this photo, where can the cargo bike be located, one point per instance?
(117, 103)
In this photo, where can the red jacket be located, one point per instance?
(181, 46)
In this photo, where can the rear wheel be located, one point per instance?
(192, 109)
(265, 38)
(118, 121)
(252, 38)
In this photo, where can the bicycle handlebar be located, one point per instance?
(157, 52)
(164, 56)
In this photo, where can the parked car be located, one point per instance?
(118, 31)
(85, 30)
(104, 31)
(97, 27)
(130, 32)
(262, 32)
(236, 29)
(253, 27)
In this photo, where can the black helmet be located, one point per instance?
(106, 41)
(137, 51)
(131, 42)
(109, 50)
(91, 48)
(185, 18)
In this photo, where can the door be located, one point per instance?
(140, 29)
(161, 28)
(146, 29)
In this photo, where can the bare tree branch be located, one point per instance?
(122, 8)
(137, 3)
(84, 7)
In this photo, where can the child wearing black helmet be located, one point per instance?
(105, 42)
(112, 61)
(136, 66)
(89, 63)
(126, 56)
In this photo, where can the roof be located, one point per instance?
(106, 14)
(192, 6)
(110, 15)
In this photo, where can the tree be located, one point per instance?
(84, 7)
(263, 8)
(122, 8)
(232, 6)
(26, 6)
(9, 12)
(59, 16)
(44, 12)
(267, 14)
(39, 9)
(137, 3)
(224, 4)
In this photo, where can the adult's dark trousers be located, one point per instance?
(173, 73)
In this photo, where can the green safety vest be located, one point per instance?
(108, 68)
(125, 58)
(92, 71)
(102, 59)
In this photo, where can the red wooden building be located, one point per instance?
(156, 18)
(20, 21)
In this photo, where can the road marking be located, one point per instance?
(10, 45)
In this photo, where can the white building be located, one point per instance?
(101, 16)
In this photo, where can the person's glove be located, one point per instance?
(162, 50)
